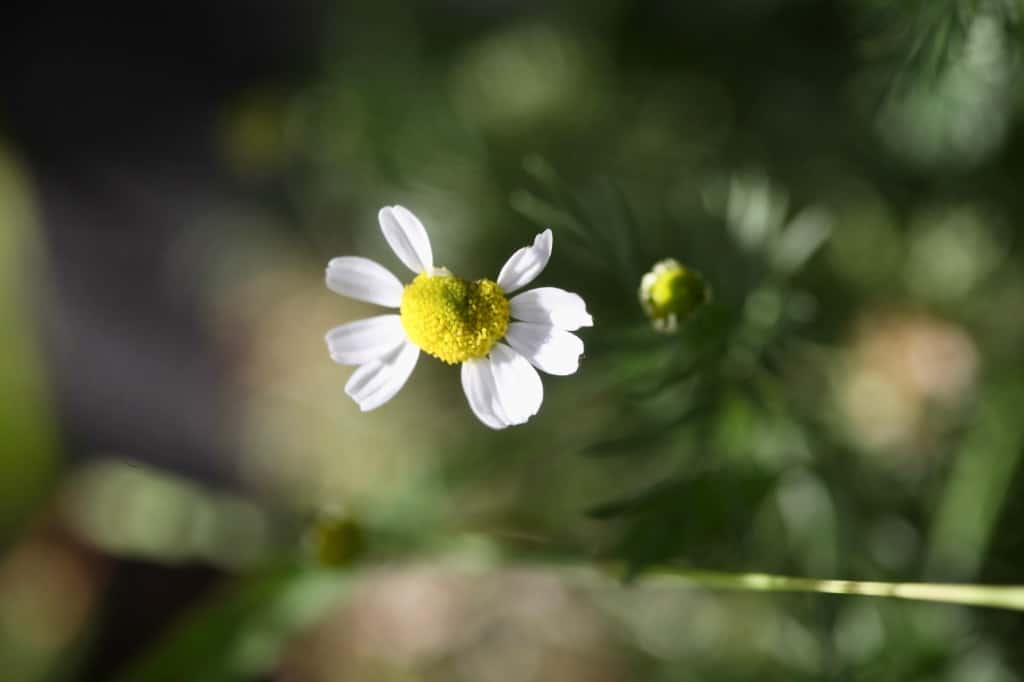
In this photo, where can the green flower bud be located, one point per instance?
(671, 293)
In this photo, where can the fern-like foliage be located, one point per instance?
(682, 399)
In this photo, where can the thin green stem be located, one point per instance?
(995, 596)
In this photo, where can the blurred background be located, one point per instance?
(186, 493)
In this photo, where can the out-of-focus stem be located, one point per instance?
(995, 596)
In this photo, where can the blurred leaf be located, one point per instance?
(645, 439)
(28, 454)
(801, 239)
(914, 41)
(701, 518)
(240, 634)
(542, 213)
(979, 482)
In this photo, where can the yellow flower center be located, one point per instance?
(678, 291)
(454, 319)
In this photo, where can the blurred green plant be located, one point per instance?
(240, 633)
(28, 448)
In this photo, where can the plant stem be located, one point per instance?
(995, 596)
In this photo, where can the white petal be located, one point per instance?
(482, 394)
(407, 238)
(526, 263)
(548, 348)
(377, 382)
(364, 280)
(365, 340)
(519, 389)
(550, 305)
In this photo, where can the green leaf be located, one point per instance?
(241, 633)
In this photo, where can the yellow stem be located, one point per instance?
(995, 596)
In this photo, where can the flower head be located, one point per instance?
(670, 293)
(454, 319)
(498, 340)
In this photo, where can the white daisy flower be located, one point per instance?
(497, 340)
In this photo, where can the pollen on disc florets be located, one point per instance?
(454, 319)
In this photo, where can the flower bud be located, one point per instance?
(671, 293)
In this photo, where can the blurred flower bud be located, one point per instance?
(671, 293)
(335, 541)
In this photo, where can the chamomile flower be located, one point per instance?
(497, 340)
